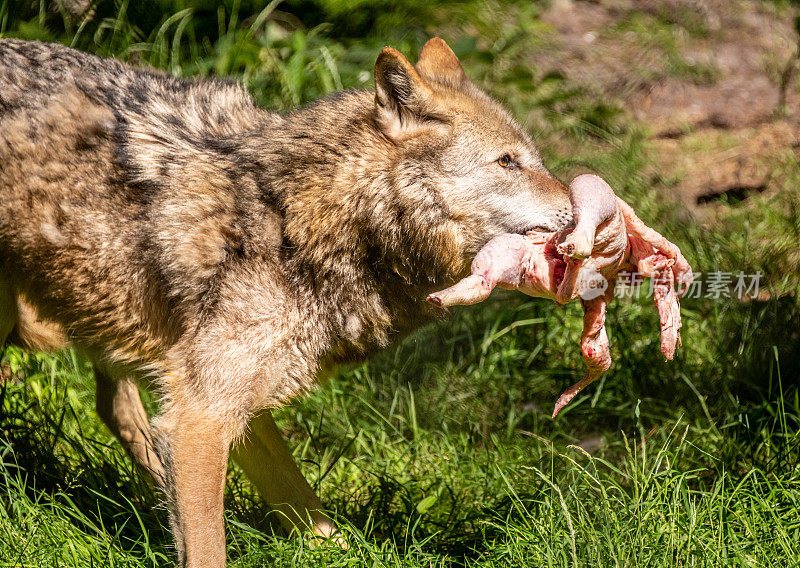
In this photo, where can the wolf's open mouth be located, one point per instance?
(536, 228)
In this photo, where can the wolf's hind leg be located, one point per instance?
(34, 333)
(120, 407)
(265, 458)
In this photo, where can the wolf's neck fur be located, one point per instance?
(362, 235)
(356, 238)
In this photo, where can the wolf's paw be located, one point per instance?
(328, 534)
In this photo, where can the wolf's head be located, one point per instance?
(389, 195)
(462, 146)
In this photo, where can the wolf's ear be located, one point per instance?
(400, 94)
(438, 63)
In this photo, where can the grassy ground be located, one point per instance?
(441, 452)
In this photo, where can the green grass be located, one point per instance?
(441, 451)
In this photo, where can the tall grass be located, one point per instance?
(410, 492)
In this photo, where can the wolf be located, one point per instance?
(230, 257)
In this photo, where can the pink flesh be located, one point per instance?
(599, 223)
(501, 262)
(637, 230)
(593, 203)
(608, 237)
(669, 312)
(594, 348)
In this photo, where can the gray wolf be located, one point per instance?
(229, 257)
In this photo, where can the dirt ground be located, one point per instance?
(704, 75)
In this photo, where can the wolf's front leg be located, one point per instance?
(193, 445)
(264, 457)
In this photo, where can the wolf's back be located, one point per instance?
(32, 72)
(156, 120)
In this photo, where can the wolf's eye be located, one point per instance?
(504, 160)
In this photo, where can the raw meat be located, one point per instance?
(583, 261)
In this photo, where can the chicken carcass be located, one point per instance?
(583, 261)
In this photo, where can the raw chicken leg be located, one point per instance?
(594, 348)
(582, 261)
